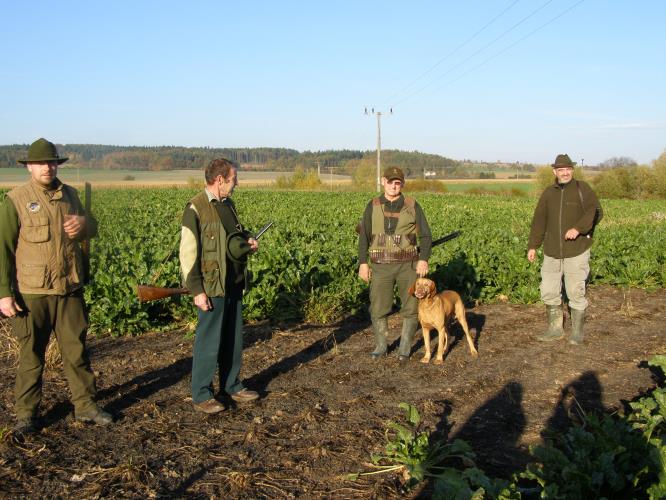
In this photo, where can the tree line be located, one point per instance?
(100, 156)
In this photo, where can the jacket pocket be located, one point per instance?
(35, 230)
(32, 275)
(210, 241)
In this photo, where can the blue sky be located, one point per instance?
(480, 79)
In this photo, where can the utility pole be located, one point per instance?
(379, 145)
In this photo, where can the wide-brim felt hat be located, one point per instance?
(237, 247)
(42, 151)
(563, 161)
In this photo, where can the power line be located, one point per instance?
(512, 45)
(454, 51)
(493, 41)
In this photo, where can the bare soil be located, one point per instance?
(325, 405)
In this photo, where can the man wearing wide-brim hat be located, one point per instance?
(394, 246)
(42, 224)
(564, 221)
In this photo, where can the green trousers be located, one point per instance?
(218, 342)
(382, 283)
(66, 316)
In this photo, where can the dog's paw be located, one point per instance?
(439, 361)
(425, 359)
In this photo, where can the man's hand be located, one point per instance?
(74, 225)
(254, 244)
(531, 254)
(9, 307)
(571, 234)
(203, 302)
(364, 272)
(422, 268)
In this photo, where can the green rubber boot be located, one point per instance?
(577, 323)
(555, 320)
(380, 329)
(409, 326)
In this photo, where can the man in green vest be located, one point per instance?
(213, 257)
(388, 234)
(42, 224)
(563, 221)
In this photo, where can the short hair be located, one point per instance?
(217, 167)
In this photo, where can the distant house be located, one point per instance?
(429, 174)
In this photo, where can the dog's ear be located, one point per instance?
(433, 289)
(412, 289)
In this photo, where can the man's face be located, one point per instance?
(43, 173)
(392, 188)
(227, 185)
(563, 174)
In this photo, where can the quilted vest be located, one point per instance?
(47, 261)
(213, 244)
(399, 246)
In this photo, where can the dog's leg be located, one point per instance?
(442, 344)
(426, 344)
(460, 316)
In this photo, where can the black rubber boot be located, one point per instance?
(577, 323)
(555, 320)
(380, 328)
(409, 326)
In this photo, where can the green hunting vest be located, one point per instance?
(399, 246)
(48, 262)
(213, 241)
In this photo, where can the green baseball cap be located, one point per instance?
(392, 173)
(42, 151)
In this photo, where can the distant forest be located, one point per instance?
(160, 158)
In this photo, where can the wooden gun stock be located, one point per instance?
(148, 293)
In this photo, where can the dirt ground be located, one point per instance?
(325, 405)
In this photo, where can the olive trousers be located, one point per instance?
(382, 283)
(66, 317)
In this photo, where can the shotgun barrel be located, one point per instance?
(147, 293)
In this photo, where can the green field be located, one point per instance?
(129, 178)
(311, 252)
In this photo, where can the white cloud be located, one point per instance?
(635, 126)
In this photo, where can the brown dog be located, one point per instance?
(434, 311)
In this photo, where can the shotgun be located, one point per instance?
(446, 238)
(148, 293)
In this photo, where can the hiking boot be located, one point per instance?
(409, 326)
(577, 323)
(555, 319)
(244, 396)
(209, 406)
(95, 416)
(25, 425)
(380, 329)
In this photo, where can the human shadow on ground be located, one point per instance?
(495, 428)
(493, 432)
(145, 385)
(344, 330)
(582, 396)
